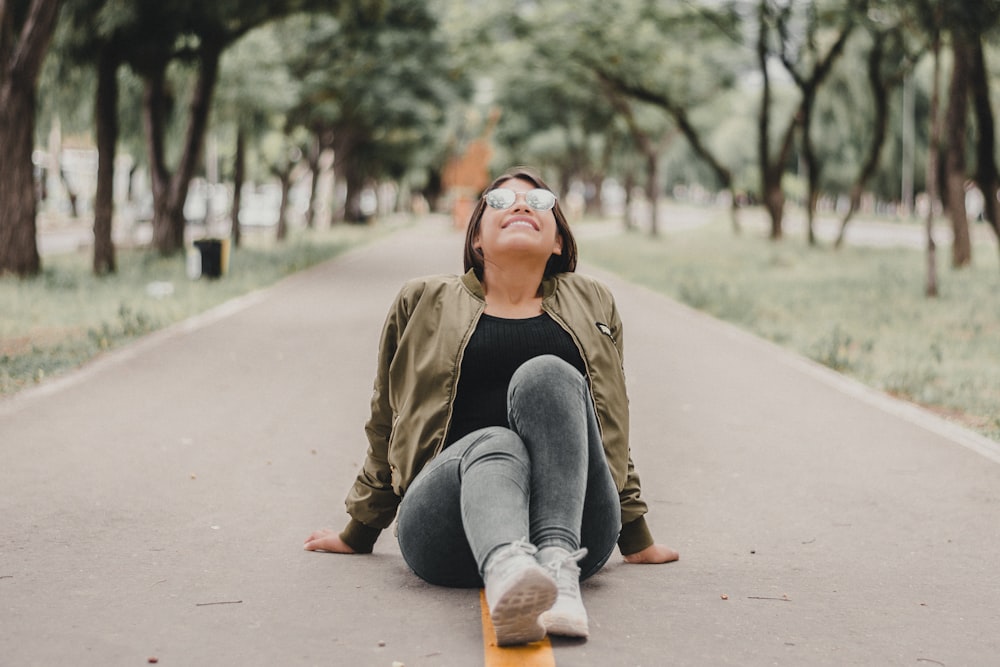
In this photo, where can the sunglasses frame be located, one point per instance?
(492, 203)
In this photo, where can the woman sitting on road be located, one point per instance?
(499, 424)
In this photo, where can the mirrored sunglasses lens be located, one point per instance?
(540, 200)
(501, 198)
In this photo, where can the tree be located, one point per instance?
(550, 116)
(84, 40)
(674, 59)
(106, 116)
(889, 62)
(195, 34)
(933, 154)
(967, 24)
(170, 188)
(650, 147)
(375, 85)
(796, 42)
(25, 32)
(256, 92)
(680, 116)
(987, 175)
(956, 124)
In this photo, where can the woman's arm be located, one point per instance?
(371, 501)
(635, 532)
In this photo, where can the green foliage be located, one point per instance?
(391, 78)
(378, 83)
(547, 71)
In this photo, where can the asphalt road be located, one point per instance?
(154, 503)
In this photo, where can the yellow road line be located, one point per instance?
(538, 654)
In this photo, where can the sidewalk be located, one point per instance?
(154, 503)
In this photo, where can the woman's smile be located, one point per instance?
(521, 222)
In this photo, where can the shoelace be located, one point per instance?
(522, 545)
(565, 585)
(518, 546)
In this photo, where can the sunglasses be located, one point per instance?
(503, 198)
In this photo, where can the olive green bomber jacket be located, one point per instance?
(419, 361)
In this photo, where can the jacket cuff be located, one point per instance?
(635, 537)
(360, 537)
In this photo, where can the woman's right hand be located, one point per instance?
(325, 539)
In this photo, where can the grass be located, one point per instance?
(66, 316)
(858, 310)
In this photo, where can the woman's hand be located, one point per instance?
(327, 540)
(653, 554)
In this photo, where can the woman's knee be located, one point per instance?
(495, 443)
(544, 373)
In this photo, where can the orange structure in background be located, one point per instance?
(465, 176)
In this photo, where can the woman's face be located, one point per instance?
(519, 231)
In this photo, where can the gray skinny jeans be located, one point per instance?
(545, 478)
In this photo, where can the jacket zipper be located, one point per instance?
(586, 362)
(456, 374)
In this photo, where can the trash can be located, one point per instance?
(211, 257)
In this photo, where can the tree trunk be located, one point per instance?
(629, 185)
(106, 120)
(344, 144)
(154, 105)
(773, 170)
(680, 118)
(653, 191)
(315, 151)
(956, 124)
(352, 205)
(74, 209)
(812, 171)
(18, 249)
(808, 87)
(986, 166)
(770, 186)
(432, 191)
(338, 208)
(647, 147)
(170, 190)
(239, 176)
(20, 63)
(285, 178)
(880, 123)
(933, 153)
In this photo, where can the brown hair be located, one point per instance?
(564, 263)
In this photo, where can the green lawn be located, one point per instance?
(66, 316)
(861, 311)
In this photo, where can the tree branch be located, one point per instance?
(34, 40)
(677, 112)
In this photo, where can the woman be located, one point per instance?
(499, 424)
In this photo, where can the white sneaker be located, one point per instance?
(567, 617)
(518, 590)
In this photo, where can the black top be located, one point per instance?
(496, 349)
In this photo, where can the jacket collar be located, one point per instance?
(474, 285)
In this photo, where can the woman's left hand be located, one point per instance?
(653, 554)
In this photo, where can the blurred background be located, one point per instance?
(127, 124)
(316, 112)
